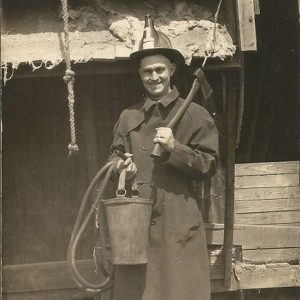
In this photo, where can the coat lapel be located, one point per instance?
(134, 117)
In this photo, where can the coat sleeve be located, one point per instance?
(118, 137)
(197, 159)
(117, 145)
(129, 119)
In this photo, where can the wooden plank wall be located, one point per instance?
(268, 194)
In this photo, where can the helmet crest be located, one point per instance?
(155, 42)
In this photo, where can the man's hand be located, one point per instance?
(129, 165)
(164, 136)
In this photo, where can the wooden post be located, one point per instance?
(246, 23)
(240, 105)
(298, 107)
(230, 88)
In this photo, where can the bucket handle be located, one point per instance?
(121, 190)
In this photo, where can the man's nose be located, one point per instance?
(154, 76)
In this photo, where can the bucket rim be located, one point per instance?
(123, 200)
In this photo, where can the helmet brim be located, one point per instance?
(172, 54)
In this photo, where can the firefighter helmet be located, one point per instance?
(155, 42)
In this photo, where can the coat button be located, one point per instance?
(153, 221)
(144, 148)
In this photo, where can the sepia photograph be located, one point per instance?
(150, 150)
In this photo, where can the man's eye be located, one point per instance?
(160, 70)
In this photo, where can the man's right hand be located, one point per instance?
(127, 164)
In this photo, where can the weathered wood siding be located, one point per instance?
(268, 195)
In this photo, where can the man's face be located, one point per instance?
(155, 72)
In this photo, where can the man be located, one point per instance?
(178, 267)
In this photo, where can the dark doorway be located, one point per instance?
(271, 116)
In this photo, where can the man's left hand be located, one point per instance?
(128, 164)
(164, 136)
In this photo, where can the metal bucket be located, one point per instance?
(128, 224)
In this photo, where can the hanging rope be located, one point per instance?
(69, 79)
(211, 48)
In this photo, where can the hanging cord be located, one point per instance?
(211, 49)
(69, 79)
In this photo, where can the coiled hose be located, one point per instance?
(80, 226)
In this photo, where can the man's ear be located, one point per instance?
(172, 69)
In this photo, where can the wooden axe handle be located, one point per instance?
(158, 150)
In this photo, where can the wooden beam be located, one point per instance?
(241, 105)
(261, 277)
(271, 255)
(46, 282)
(269, 168)
(254, 205)
(290, 192)
(256, 236)
(55, 276)
(249, 275)
(274, 217)
(216, 64)
(230, 88)
(256, 7)
(87, 68)
(41, 276)
(246, 23)
(268, 276)
(281, 180)
(63, 294)
(123, 66)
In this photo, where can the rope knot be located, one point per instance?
(69, 76)
(73, 149)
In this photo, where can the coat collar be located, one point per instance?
(165, 101)
(136, 115)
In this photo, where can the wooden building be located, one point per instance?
(42, 187)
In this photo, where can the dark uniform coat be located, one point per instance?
(178, 267)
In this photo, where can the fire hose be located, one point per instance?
(81, 223)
